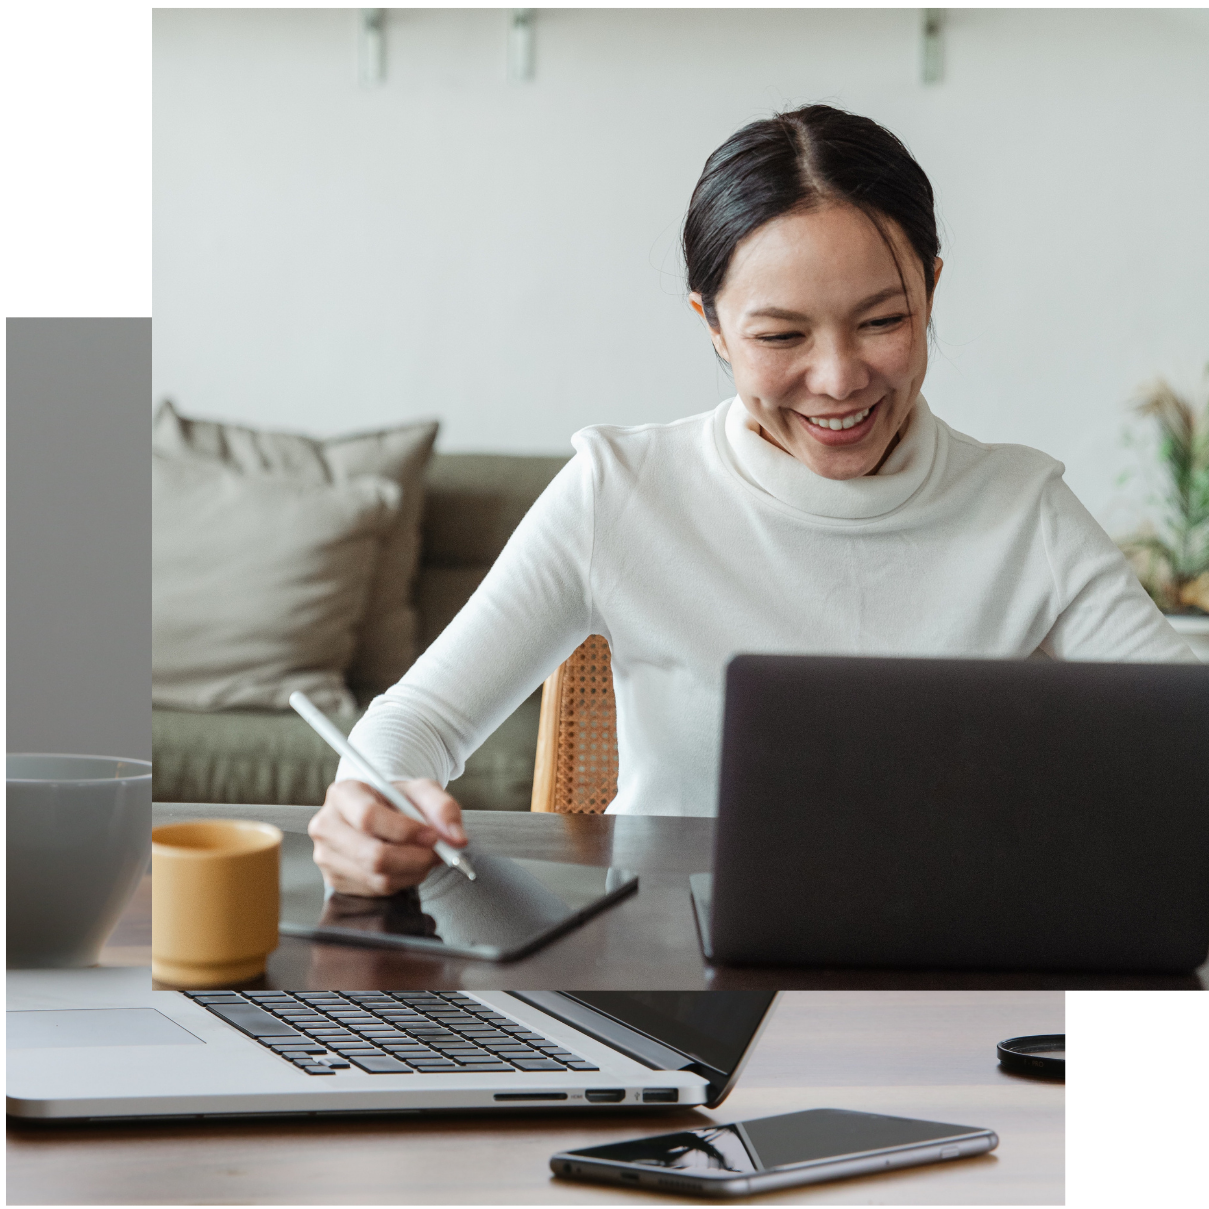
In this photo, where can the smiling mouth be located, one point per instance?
(836, 423)
(841, 430)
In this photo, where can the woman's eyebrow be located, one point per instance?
(892, 291)
(777, 312)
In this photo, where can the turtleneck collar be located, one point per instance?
(776, 473)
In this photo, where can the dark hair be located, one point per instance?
(794, 162)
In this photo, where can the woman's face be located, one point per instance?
(827, 352)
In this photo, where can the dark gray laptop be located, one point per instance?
(953, 813)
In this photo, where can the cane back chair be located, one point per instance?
(575, 771)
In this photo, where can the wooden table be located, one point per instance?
(911, 1053)
(647, 940)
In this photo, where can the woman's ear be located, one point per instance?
(698, 304)
(937, 265)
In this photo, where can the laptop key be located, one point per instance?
(578, 1065)
(295, 1047)
(530, 1064)
(316, 1068)
(253, 1020)
(379, 1064)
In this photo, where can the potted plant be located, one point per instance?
(1172, 558)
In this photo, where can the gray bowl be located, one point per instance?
(79, 839)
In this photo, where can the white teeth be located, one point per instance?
(835, 423)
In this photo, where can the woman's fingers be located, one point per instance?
(365, 810)
(438, 807)
(364, 845)
(357, 876)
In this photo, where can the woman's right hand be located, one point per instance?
(363, 845)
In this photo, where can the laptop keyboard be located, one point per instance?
(388, 1033)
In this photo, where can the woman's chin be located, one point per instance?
(840, 461)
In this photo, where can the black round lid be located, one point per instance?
(1042, 1055)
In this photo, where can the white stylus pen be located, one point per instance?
(331, 735)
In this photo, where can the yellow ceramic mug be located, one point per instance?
(214, 901)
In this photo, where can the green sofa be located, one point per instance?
(472, 504)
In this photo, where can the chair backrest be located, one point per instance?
(576, 767)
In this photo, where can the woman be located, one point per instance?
(822, 510)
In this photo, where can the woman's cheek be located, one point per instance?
(898, 362)
(776, 375)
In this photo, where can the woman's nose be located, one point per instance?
(835, 370)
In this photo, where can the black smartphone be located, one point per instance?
(774, 1152)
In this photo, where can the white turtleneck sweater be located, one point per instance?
(687, 543)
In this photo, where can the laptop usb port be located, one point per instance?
(605, 1095)
(660, 1095)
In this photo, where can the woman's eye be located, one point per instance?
(779, 337)
(885, 321)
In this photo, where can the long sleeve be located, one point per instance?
(653, 537)
(530, 612)
(1105, 612)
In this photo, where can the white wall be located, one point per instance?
(505, 256)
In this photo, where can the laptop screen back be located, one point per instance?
(963, 813)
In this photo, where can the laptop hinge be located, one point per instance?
(604, 1028)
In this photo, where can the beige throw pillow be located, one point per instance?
(386, 641)
(259, 583)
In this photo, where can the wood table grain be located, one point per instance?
(929, 1054)
(648, 940)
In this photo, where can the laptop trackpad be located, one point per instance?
(94, 1026)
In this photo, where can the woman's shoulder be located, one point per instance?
(669, 445)
(1004, 461)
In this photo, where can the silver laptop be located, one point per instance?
(100, 1044)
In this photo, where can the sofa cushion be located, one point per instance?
(247, 756)
(259, 583)
(386, 643)
(259, 757)
(472, 504)
(473, 501)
